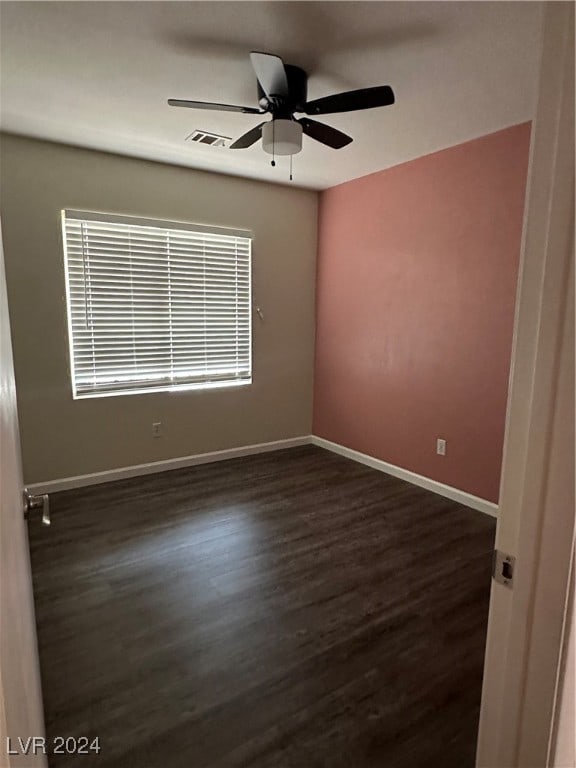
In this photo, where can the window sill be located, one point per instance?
(172, 390)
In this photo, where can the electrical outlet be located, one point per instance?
(441, 447)
(157, 429)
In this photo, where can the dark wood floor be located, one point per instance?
(287, 610)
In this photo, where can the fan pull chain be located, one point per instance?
(273, 163)
(291, 167)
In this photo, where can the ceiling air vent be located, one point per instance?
(210, 139)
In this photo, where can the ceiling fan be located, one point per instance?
(282, 93)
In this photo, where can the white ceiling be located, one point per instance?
(97, 74)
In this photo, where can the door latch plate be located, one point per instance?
(503, 566)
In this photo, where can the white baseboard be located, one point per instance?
(404, 474)
(123, 473)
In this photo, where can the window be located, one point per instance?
(155, 305)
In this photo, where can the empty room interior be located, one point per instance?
(263, 263)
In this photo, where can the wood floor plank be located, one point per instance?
(287, 610)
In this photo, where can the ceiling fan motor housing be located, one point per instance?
(297, 93)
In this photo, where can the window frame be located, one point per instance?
(165, 224)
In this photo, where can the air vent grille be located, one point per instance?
(209, 139)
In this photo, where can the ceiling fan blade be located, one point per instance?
(211, 105)
(324, 133)
(350, 101)
(249, 138)
(271, 74)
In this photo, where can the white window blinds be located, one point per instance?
(155, 305)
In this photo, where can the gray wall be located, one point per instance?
(62, 437)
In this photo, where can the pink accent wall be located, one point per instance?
(417, 269)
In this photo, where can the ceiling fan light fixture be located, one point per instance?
(282, 137)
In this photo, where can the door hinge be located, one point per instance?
(503, 568)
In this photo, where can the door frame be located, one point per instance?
(21, 709)
(536, 515)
